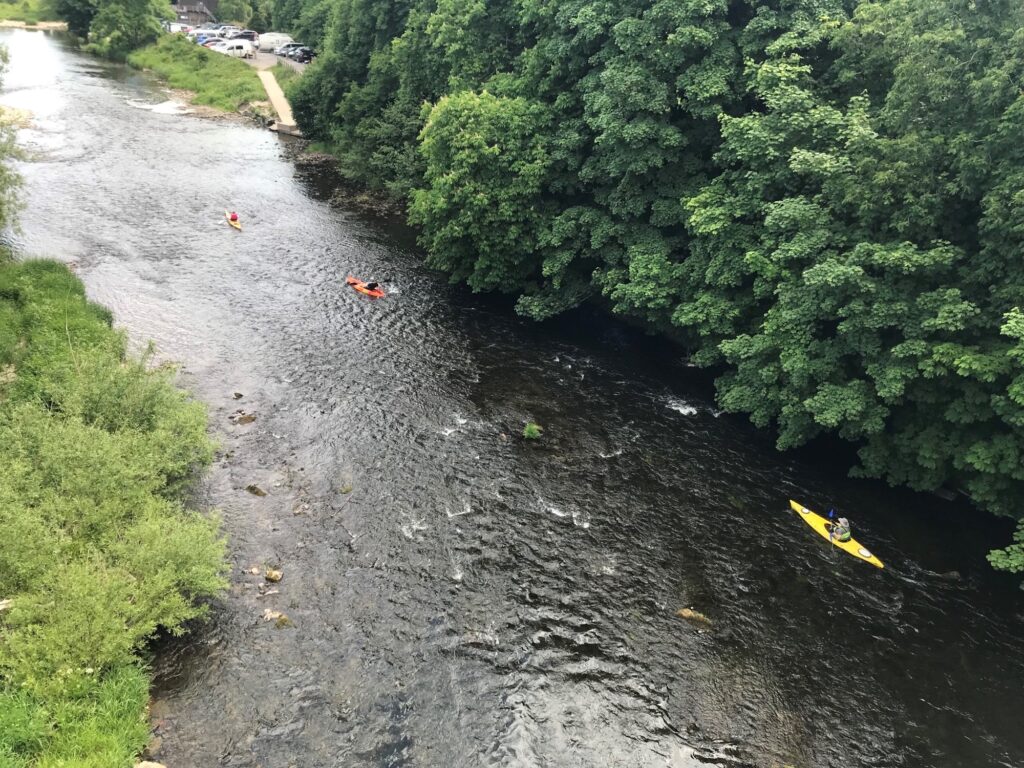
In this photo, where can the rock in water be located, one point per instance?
(695, 616)
(272, 575)
(280, 620)
(255, 490)
(241, 417)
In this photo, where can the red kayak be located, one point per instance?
(360, 286)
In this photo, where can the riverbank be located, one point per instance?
(208, 78)
(97, 452)
(40, 26)
(29, 14)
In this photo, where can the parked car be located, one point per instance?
(302, 55)
(271, 41)
(245, 34)
(239, 49)
(212, 41)
(197, 32)
(283, 50)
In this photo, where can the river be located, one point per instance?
(460, 596)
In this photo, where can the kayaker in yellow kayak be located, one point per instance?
(233, 216)
(841, 530)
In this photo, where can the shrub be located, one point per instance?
(98, 550)
(532, 431)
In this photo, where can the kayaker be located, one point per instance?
(371, 286)
(234, 216)
(841, 530)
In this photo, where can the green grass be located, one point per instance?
(532, 431)
(217, 80)
(28, 11)
(284, 74)
(99, 552)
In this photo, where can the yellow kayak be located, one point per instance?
(236, 224)
(822, 526)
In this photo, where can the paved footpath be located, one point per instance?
(277, 99)
(263, 62)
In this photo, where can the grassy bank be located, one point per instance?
(98, 550)
(216, 80)
(28, 11)
(284, 74)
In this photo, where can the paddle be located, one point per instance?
(831, 527)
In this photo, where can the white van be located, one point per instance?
(271, 40)
(239, 49)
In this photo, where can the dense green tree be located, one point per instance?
(820, 198)
(78, 14)
(485, 161)
(238, 12)
(262, 16)
(121, 26)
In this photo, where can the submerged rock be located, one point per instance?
(280, 619)
(241, 417)
(153, 747)
(695, 616)
(255, 490)
(273, 575)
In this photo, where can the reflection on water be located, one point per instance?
(461, 596)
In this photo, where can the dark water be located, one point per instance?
(477, 600)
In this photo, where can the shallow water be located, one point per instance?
(477, 600)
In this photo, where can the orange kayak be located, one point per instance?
(360, 286)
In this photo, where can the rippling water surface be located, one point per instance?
(477, 600)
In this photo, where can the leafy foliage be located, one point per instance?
(237, 12)
(99, 551)
(28, 11)
(485, 162)
(113, 28)
(821, 198)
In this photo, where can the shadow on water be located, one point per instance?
(460, 596)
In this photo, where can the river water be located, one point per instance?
(460, 597)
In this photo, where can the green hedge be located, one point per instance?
(99, 551)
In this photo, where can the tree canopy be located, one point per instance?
(821, 198)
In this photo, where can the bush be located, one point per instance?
(99, 552)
